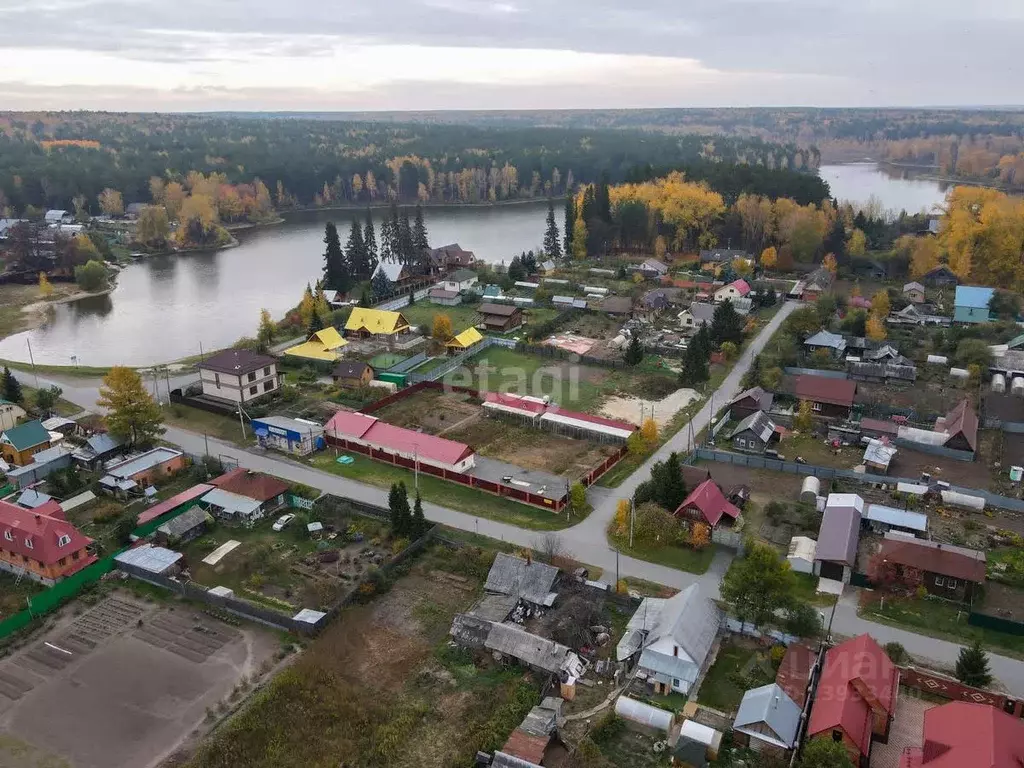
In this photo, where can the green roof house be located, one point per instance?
(20, 443)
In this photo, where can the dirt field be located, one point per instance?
(458, 417)
(929, 399)
(634, 410)
(971, 474)
(120, 685)
(381, 686)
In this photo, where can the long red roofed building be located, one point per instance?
(41, 544)
(359, 429)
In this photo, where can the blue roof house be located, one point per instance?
(971, 304)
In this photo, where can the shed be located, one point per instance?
(528, 579)
(882, 519)
(801, 554)
(702, 734)
(769, 716)
(644, 716)
(309, 616)
(187, 526)
(878, 455)
(148, 559)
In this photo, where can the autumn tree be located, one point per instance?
(91, 276)
(769, 258)
(173, 199)
(621, 519)
(307, 307)
(45, 287)
(924, 256)
(442, 327)
(153, 226)
(875, 327)
(982, 232)
(700, 535)
(891, 577)
(552, 242)
(880, 303)
(803, 420)
(131, 412)
(578, 497)
(649, 431)
(111, 202)
(579, 239)
(198, 221)
(829, 263)
(857, 244)
(266, 331)
(758, 584)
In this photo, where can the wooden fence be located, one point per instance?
(948, 688)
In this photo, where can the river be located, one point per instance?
(164, 308)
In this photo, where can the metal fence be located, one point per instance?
(455, 362)
(408, 364)
(825, 374)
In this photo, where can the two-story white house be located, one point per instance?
(460, 280)
(239, 376)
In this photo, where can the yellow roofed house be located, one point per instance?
(464, 340)
(324, 345)
(374, 322)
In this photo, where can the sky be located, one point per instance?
(195, 55)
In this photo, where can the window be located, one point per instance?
(267, 386)
(62, 562)
(63, 541)
(74, 555)
(28, 542)
(837, 735)
(816, 407)
(950, 583)
(252, 376)
(8, 535)
(741, 442)
(253, 390)
(938, 581)
(676, 682)
(266, 371)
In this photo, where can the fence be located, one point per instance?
(990, 422)
(955, 691)
(997, 623)
(455, 362)
(829, 473)
(935, 450)
(825, 374)
(408, 364)
(178, 396)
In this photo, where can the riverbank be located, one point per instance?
(22, 308)
(385, 204)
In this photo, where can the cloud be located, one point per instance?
(752, 52)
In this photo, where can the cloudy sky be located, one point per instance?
(506, 54)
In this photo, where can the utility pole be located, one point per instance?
(616, 569)
(206, 440)
(241, 421)
(632, 516)
(32, 360)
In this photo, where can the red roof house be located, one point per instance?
(961, 424)
(172, 503)
(359, 429)
(252, 485)
(856, 696)
(46, 547)
(795, 671)
(960, 734)
(706, 503)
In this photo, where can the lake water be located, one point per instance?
(896, 189)
(164, 308)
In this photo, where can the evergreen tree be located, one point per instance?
(396, 233)
(602, 200)
(394, 509)
(972, 666)
(355, 251)
(529, 263)
(726, 325)
(337, 275)
(387, 239)
(634, 352)
(400, 514)
(835, 240)
(366, 297)
(370, 241)
(406, 245)
(589, 207)
(570, 221)
(12, 387)
(515, 269)
(380, 285)
(552, 243)
(703, 340)
(695, 366)
(420, 240)
(666, 486)
(419, 521)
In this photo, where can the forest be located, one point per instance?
(47, 160)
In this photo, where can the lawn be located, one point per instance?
(814, 450)
(451, 495)
(13, 598)
(937, 618)
(681, 558)
(61, 408)
(806, 585)
(739, 666)
(205, 423)
(422, 313)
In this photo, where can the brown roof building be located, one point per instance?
(949, 571)
(237, 362)
(501, 317)
(254, 485)
(962, 425)
(832, 398)
(795, 672)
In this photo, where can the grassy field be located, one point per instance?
(938, 618)
(681, 558)
(12, 598)
(423, 312)
(451, 495)
(62, 407)
(203, 422)
(739, 666)
(807, 584)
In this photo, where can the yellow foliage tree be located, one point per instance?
(880, 304)
(804, 418)
(174, 198)
(622, 517)
(875, 327)
(111, 202)
(924, 256)
(690, 209)
(322, 307)
(829, 263)
(855, 291)
(442, 330)
(307, 307)
(649, 431)
(769, 258)
(153, 226)
(266, 330)
(660, 247)
(579, 238)
(982, 233)
(700, 536)
(45, 287)
(857, 244)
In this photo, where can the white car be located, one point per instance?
(282, 521)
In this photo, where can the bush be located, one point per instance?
(91, 276)
(896, 653)
(607, 729)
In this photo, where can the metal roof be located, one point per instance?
(758, 423)
(643, 713)
(973, 296)
(533, 650)
(640, 623)
(31, 498)
(149, 558)
(309, 616)
(902, 518)
(826, 339)
(133, 466)
(292, 425)
(770, 705)
(26, 435)
(231, 503)
(840, 529)
(184, 522)
(691, 620)
(533, 581)
(879, 454)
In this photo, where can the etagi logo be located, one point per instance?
(560, 383)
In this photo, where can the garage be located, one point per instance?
(832, 571)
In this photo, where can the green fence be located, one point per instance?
(997, 623)
(60, 592)
(147, 528)
(6, 490)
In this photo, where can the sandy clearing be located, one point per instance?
(633, 409)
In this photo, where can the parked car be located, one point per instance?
(282, 521)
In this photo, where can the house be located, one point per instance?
(135, 473)
(352, 373)
(750, 401)
(297, 436)
(397, 274)
(754, 434)
(239, 376)
(966, 733)
(914, 292)
(696, 315)
(7, 226)
(444, 297)
(836, 552)
(524, 579)
(532, 651)
(970, 304)
(679, 641)
(818, 282)
(912, 314)
(263, 495)
(878, 455)
(451, 256)
(18, 444)
(652, 269)
(961, 424)
(653, 302)
(189, 525)
(501, 317)
(886, 352)
(833, 342)
(616, 306)
(723, 256)
(856, 697)
(322, 346)
(99, 449)
(42, 465)
(40, 544)
(134, 210)
(939, 277)
(770, 718)
(829, 398)
(737, 289)
(795, 672)
(463, 341)
(10, 414)
(954, 573)
(528, 743)
(365, 433)
(707, 504)
(460, 280)
(59, 217)
(375, 322)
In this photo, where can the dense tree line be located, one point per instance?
(49, 159)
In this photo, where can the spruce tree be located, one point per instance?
(402, 526)
(394, 509)
(695, 366)
(570, 221)
(602, 200)
(355, 250)
(419, 521)
(370, 240)
(552, 243)
(972, 666)
(634, 352)
(396, 233)
(420, 240)
(406, 246)
(589, 207)
(703, 341)
(387, 239)
(12, 387)
(337, 275)
(726, 325)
